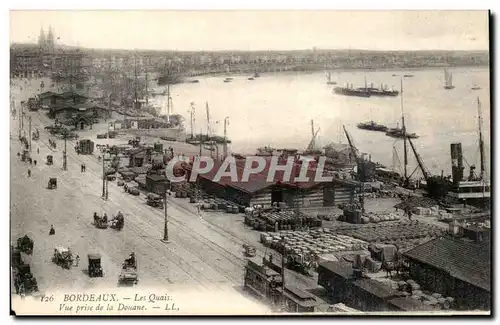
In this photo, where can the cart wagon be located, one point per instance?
(52, 183)
(128, 275)
(63, 257)
(250, 250)
(95, 269)
(25, 244)
(155, 200)
(117, 222)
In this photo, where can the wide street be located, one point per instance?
(200, 254)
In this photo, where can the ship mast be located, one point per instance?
(208, 121)
(135, 80)
(481, 142)
(404, 137)
(192, 119)
(313, 135)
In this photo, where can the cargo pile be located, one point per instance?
(221, 204)
(275, 220)
(357, 217)
(404, 234)
(380, 217)
(315, 242)
(434, 212)
(412, 202)
(412, 290)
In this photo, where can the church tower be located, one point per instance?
(41, 38)
(50, 39)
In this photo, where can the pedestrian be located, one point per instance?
(38, 150)
(77, 260)
(52, 231)
(84, 168)
(34, 162)
(81, 168)
(29, 172)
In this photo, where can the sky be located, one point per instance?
(258, 30)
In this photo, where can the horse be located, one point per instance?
(389, 267)
(398, 265)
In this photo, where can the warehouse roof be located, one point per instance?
(374, 287)
(462, 260)
(259, 181)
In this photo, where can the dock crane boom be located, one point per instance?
(354, 150)
(312, 144)
(420, 162)
(360, 168)
(437, 186)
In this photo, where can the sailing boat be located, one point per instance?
(448, 79)
(329, 79)
(228, 79)
(311, 148)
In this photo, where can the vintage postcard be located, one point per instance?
(250, 162)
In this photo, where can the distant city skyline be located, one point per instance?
(257, 30)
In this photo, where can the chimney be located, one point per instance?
(471, 173)
(457, 167)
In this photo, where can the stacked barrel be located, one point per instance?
(282, 220)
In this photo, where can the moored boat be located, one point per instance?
(372, 126)
(398, 133)
(350, 91)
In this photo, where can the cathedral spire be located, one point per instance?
(41, 38)
(50, 38)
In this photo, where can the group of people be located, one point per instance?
(83, 168)
(104, 217)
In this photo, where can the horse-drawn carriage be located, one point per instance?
(250, 250)
(25, 245)
(52, 183)
(95, 268)
(111, 177)
(25, 156)
(118, 222)
(50, 160)
(128, 274)
(63, 257)
(155, 200)
(15, 256)
(100, 222)
(132, 190)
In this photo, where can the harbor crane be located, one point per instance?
(360, 166)
(437, 186)
(312, 144)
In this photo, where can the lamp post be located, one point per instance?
(103, 176)
(165, 228)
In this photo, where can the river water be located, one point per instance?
(276, 110)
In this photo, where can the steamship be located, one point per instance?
(476, 187)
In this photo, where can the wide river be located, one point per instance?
(276, 110)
